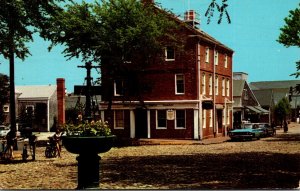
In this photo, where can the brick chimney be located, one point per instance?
(60, 82)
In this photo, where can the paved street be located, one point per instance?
(267, 163)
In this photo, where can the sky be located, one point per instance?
(252, 35)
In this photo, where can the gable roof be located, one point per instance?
(273, 84)
(238, 87)
(36, 92)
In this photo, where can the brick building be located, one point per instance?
(189, 93)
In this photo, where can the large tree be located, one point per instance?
(4, 91)
(290, 33)
(19, 20)
(282, 110)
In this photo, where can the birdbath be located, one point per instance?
(88, 148)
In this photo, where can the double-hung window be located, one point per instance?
(119, 119)
(223, 86)
(170, 53)
(180, 119)
(216, 57)
(217, 86)
(118, 88)
(161, 117)
(227, 87)
(203, 84)
(179, 85)
(210, 84)
(207, 55)
(225, 61)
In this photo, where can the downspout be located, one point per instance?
(214, 94)
(48, 115)
(199, 93)
(231, 87)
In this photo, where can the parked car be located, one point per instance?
(3, 130)
(266, 128)
(247, 131)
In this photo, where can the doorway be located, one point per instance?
(141, 123)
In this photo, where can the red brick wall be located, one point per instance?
(60, 100)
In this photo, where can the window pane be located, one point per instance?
(180, 118)
(161, 118)
(119, 118)
(170, 53)
(179, 84)
(119, 87)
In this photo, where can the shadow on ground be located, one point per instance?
(205, 171)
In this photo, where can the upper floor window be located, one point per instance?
(216, 57)
(227, 87)
(179, 86)
(217, 86)
(210, 85)
(203, 84)
(223, 86)
(161, 116)
(225, 61)
(207, 55)
(180, 118)
(170, 53)
(118, 88)
(119, 119)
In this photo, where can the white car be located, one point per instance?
(4, 130)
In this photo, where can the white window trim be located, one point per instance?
(226, 61)
(115, 88)
(176, 92)
(207, 54)
(223, 116)
(156, 119)
(227, 87)
(210, 85)
(216, 57)
(176, 120)
(115, 123)
(166, 54)
(217, 85)
(203, 118)
(223, 86)
(228, 116)
(203, 85)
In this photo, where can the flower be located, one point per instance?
(93, 128)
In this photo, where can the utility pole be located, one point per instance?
(88, 111)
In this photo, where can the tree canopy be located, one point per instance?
(4, 94)
(282, 109)
(290, 33)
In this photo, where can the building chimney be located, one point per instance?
(60, 82)
(190, 17)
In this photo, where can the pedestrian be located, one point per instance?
(10, 141)
(32, 144)
(273, 125)
(58, 141)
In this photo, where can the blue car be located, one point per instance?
(248, 131)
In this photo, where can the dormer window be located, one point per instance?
(170, 53)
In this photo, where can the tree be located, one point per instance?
(282, 110)
(4, 94)
(19, 20)
(290, 33)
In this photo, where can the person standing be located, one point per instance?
(58, 141)
(10, 138)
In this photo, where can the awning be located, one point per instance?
(257, 109)
(264, 111)
(253, 109)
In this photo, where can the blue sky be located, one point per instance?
(252, 35)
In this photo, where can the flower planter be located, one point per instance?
(88, 159)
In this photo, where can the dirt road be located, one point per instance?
(272, 162)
